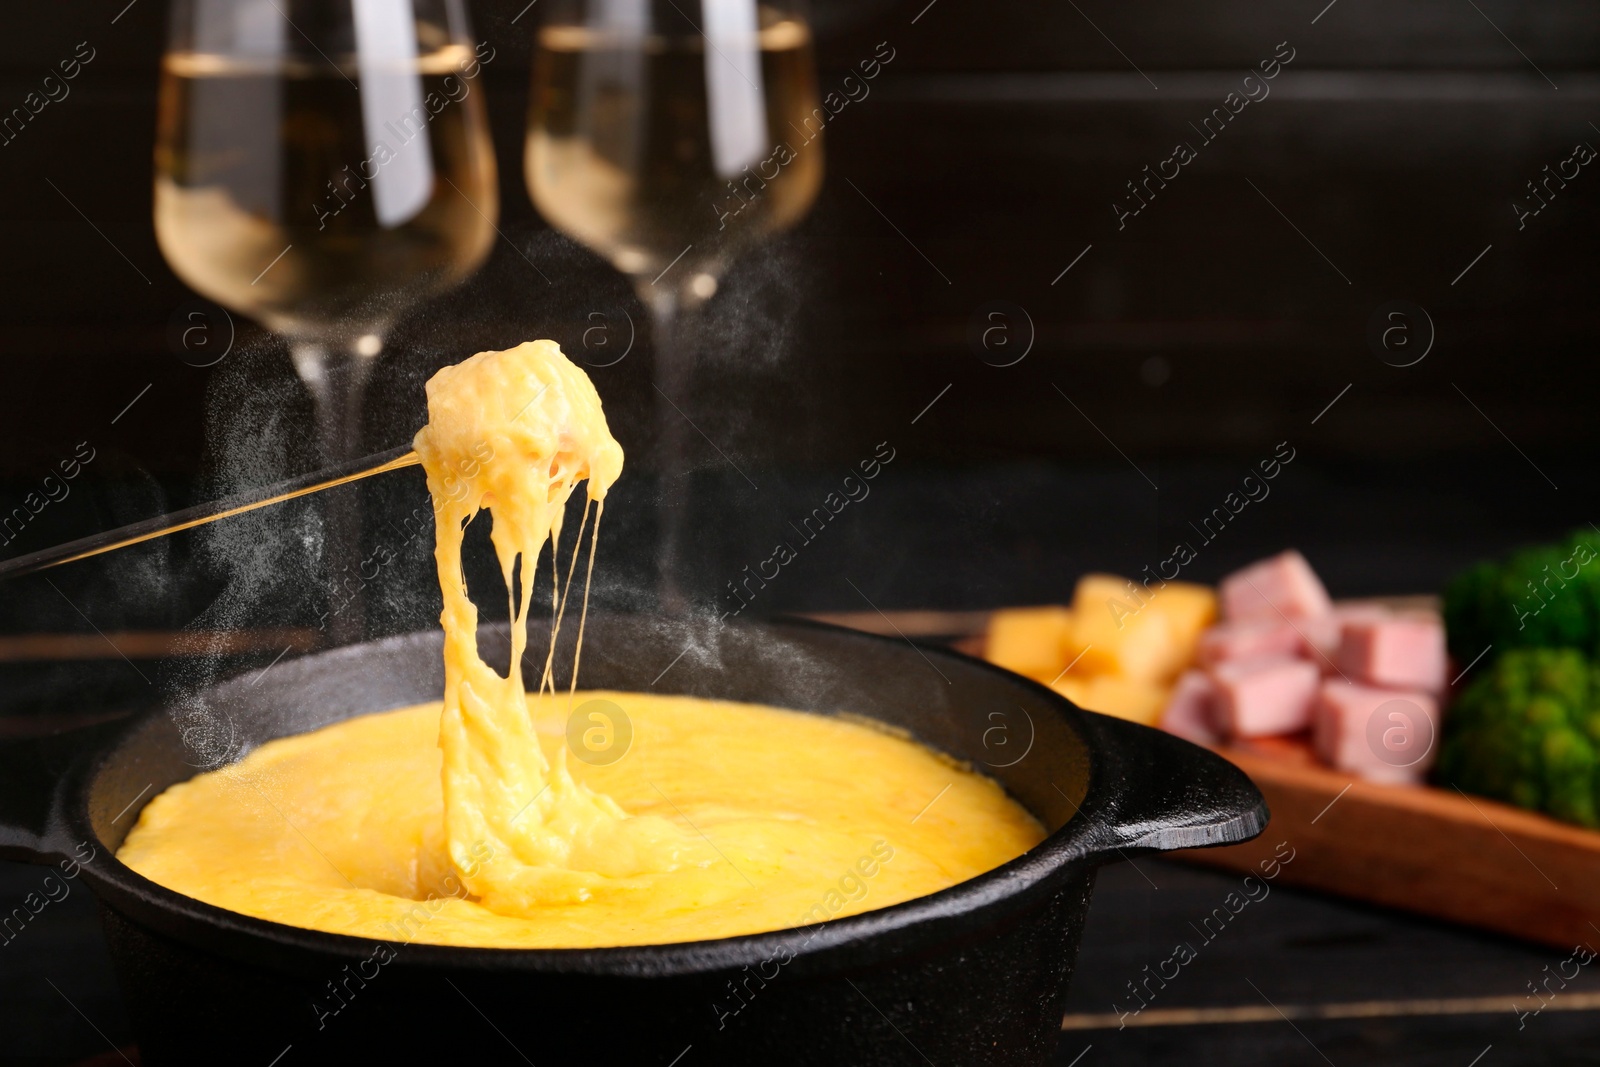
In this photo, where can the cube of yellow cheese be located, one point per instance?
(1029, 641)
(1126, 698)
(1190, 609)
(1114, 633)
(1121, 627)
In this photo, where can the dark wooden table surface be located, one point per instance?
(1298, 978)
(1402, 991)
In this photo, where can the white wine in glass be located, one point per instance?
(354, 253)
(643, 146)
(323, 166)
(669, 136)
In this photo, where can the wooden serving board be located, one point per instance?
(1431, 851)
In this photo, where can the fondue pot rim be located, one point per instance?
(1104, 826)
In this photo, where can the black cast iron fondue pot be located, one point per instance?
(975, 974)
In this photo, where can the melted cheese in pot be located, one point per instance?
(805, 818)
(464, 822)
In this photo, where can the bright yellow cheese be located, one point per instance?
(1121, 627)
(1029, 641)
(804, 818)
(1190, 609)
(1112, 694)
(514, 432)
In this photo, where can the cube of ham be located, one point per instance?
(1383, 735)
(1272, 695)
(1400, 652)
(1323, 633)
(1191, 709)
(1247, 640)
(1284, 585)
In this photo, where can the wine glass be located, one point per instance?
(322, 166)
(669, 135)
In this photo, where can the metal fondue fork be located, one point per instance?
(200, 514)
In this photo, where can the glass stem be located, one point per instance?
(672, 322)
(336, 377)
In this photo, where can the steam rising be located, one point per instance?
(256, 415)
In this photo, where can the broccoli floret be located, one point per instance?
(1558, 682)
(1527, 731)
(1551, 611)
(1569, 766)
(1547, 596)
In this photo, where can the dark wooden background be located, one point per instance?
(1225, 318)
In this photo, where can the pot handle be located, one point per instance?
(1166, 793)
(33, 775)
